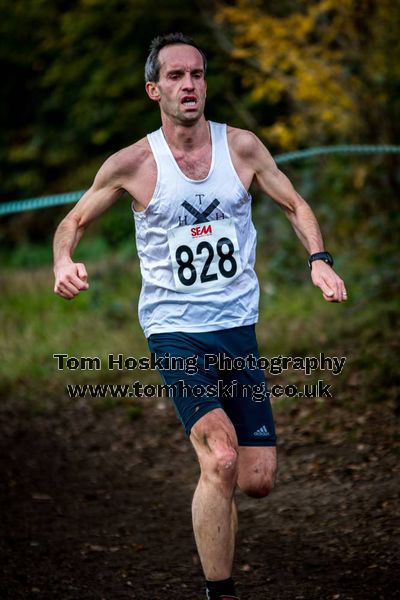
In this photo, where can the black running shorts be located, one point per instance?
(217, 369)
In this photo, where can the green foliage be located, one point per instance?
(326, 69)
(73, 85)
(299, 73)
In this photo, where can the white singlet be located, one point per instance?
(196, 244)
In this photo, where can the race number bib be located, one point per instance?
(204, 255)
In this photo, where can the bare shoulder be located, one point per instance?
(250, 149)
(128, 161)
(243, 142)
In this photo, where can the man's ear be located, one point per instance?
(152, 91)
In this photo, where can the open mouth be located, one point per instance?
(189, 101)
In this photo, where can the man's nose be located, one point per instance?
(188, 82)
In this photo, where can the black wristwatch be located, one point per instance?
(325, 256)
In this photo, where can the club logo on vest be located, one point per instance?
(201, 216)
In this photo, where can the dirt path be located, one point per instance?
(95, 506)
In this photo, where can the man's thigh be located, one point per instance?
(248, 407)
(193, 395)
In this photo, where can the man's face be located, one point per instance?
(181, 88)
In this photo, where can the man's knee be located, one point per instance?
(257, 469)
(257, 487)
(257, 483)
(219, 463)
(215, 442)
(225, 460)
(221, 466)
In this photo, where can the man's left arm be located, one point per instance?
(275, 183)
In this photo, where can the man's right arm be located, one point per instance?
(70, 277)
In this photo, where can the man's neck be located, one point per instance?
(186, 137)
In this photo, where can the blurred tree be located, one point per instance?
(313, 72)
(326, 71)
(73, 86)
(73, 92)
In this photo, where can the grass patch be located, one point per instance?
(37, 324)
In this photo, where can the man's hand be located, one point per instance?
(324, 277)
(71, 278)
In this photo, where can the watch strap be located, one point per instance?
(325, 256)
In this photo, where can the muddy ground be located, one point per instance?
(97, 506)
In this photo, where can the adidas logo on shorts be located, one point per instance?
(262, 432)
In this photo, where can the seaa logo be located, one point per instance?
(201, 230)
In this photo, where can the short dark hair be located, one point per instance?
(152, 67)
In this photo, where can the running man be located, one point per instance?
(196, 242)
